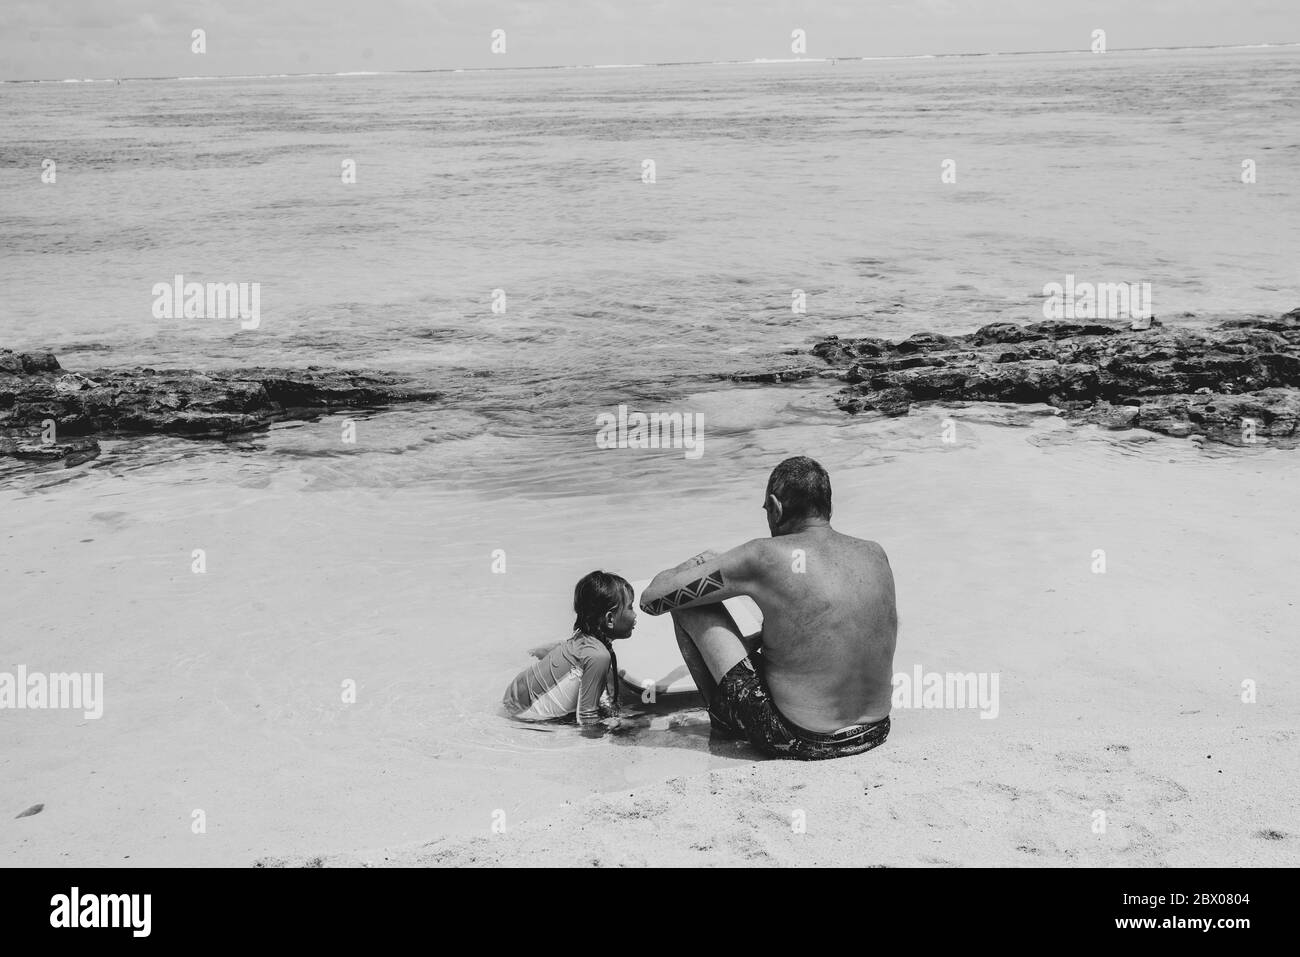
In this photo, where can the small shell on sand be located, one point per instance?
(34, 809)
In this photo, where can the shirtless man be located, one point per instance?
(820, 685)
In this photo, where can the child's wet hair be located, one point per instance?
(596, 594)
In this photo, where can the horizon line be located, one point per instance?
(667, 63)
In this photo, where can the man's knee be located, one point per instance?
(711, 632)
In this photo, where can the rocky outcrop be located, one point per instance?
(35, 391)
(1237, 383)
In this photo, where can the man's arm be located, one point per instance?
(703, 580)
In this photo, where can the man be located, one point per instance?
(820, 685)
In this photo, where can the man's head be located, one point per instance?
(798, 491)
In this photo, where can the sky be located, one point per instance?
(57, 39)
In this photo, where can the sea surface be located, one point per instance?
(328, 562)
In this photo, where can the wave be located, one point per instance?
(670, 63)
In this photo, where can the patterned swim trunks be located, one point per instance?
(744, 708)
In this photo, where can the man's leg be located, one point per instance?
(710, 645)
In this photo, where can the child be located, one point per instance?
(579, 675)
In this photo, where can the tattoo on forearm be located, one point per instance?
(695, 590)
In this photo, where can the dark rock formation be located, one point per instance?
(1237, 380)
(35, 389)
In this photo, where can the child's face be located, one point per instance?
(622, 621)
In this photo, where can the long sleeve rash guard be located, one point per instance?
(569, 679)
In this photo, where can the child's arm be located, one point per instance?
(595, 672)
(541, 651)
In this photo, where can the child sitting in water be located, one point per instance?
(579, 675)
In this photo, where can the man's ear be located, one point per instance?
(774, 509)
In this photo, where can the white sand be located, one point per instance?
(964, 800)
(1119, 692)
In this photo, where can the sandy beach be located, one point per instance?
(928, 799)
(1119, 692)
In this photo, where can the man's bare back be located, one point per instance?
(828, 630)
(829, 617)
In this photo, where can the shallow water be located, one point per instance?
(371, 562)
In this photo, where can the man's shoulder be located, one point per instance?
(864, 545)
(872, 546)
(778, 546)
(769, 561)
(759, 549)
